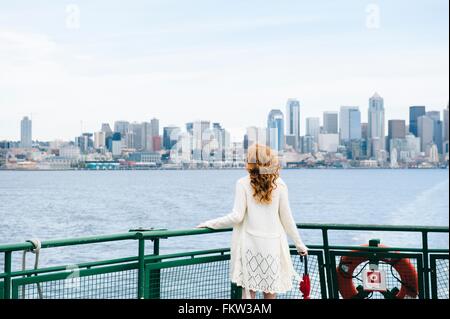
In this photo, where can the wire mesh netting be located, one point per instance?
(113, 285)
(442, 278)
(211, 280)
(199, 281)
(389, 266)
(314, 275)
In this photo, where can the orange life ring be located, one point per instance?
(406, 270)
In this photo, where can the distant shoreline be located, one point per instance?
(222, 169)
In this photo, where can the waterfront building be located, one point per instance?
(394, 158)
(245, 142)
(396, 129)
(9, 144)
(133, 138)
(364, 131)
(275, 130)
(70, 152)
(25, 133)
(414, 113)
(221, 136)
(413, 145)
(330, 123)
(156, 143)
(313, 128)
(190, 127)
(438, 129)
(350, 123)
(200, 137)
(355, 151)
(146, 140)
(425, 130)
(433, 154)
(328, 143)
(307, 144)
(145, 157)
(106, 129)
(154, 122)
(116, 147)
(446, 132)
(84, 142)
(99, 140)
(122, 127)
(375, 126)
(293, 123)
(170, 136)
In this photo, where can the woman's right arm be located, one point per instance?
(288, 222)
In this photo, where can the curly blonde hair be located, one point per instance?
(264, 169)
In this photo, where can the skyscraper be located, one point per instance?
(425, 130)
(170, 136)
(437, 129)
(84, 142)
(293, 122)
(396, 130)
(116, 147)
(121, 127)
(154, 126)
(414, 113)
(106, 129)
(446, 131)
(199, 135)
(221, 136)
(350, 123)
(189, 127)
(135, 136)
(313, 128)
(99, 140)
(330, 122)
(376, 130)
(275, 130)
(25, 133)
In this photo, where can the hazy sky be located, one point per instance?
(227, 61)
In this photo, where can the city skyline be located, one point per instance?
(342, 140)
(66, 64)
(362, 116)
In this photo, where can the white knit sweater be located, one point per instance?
(260, 258)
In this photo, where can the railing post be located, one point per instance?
(236, 291)
(426, 268)
(327, 262)
(141, 273)
(154, 280)
(7, 282)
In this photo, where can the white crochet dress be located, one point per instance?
(260, 258)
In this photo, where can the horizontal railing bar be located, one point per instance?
(385, 249)
(69, 241)
(365, 227)
(189, 254)
(198, 231)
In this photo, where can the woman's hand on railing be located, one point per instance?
(201, 225)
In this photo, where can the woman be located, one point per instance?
(261, 218)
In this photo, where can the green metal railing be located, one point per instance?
(205, 273)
